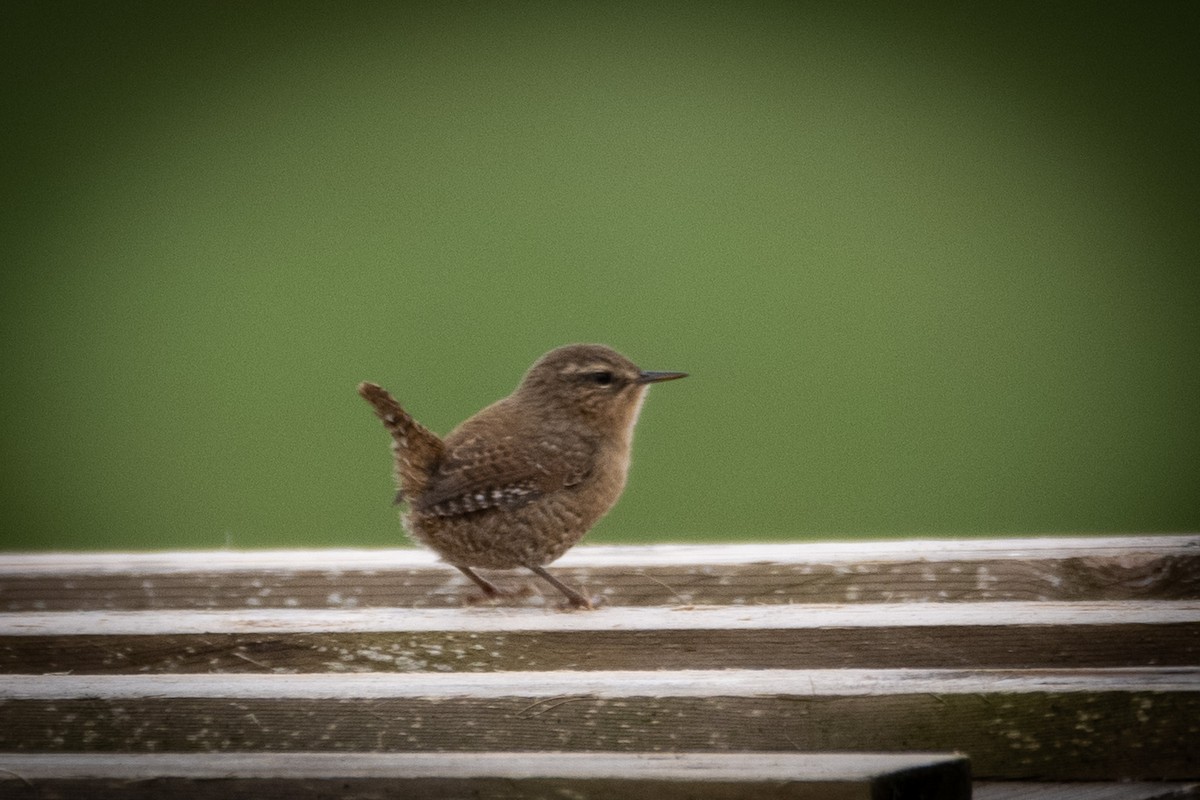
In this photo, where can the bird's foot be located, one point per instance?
(499, 595)
(581, 603)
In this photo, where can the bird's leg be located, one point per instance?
(573, 597)
(489, 589)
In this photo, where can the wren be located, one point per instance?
(522, 481)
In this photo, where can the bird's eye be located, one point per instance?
(602, 378)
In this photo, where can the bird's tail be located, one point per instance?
(417, 450)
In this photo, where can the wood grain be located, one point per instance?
(1110, 568)
(920, 635)
(1049, 725)
(1042, 659)
(704, 776)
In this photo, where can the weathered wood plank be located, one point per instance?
(828, 776)
(1015, 724)
(922, 635)
(1103, 568)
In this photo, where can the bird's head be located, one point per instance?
(592, 382)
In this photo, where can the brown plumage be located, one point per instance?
(523, 480)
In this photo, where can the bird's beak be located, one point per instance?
(656, 377)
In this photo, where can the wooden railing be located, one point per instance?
(869, 669)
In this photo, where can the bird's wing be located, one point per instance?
(479, 473)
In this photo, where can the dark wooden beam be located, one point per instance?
(1090, 724)
(913, 635)
(1068, 569)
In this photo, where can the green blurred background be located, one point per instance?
(933, 270)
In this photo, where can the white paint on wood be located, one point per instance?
(807, 767)
(500, 619)
(587, 556)
(605, 684)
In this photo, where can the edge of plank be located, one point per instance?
(634, 618)
(597, 556)
(661, 766)
(604, 684)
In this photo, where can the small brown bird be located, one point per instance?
(522, 481)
